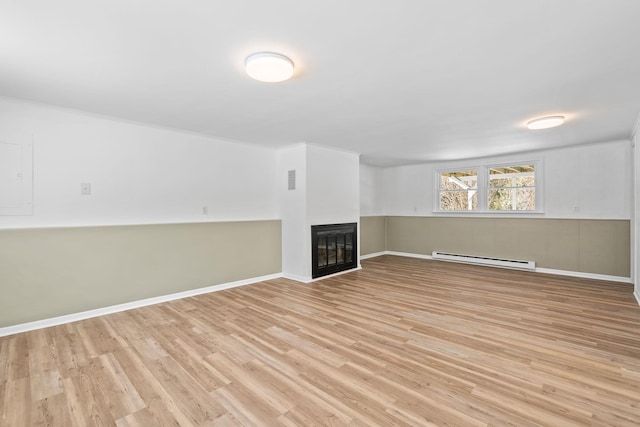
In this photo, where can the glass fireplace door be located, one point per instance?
(333, 248)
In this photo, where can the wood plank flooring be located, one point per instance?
(403, 342)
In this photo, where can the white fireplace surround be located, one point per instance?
(327, 191)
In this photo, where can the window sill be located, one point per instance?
(488, 212)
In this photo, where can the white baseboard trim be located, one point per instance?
(584, 275)
(301, 279)
(304, 279)
(373, 255)
(537, 270)
(408, 255)
(636, 294)
(74, 317)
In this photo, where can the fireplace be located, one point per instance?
(334, 248)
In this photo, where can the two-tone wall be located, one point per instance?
(172, 212)
(169, 212)
(584, 228)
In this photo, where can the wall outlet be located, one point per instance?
(205, 210)
(85, 189)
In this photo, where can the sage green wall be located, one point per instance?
(51, 272)
(581, 245)
(372, 234)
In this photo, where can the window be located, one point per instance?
(459, 190)
(513, 187)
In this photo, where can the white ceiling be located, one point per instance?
(400, 81)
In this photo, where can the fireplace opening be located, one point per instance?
(333, 248)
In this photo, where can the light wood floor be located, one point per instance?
(402, 342)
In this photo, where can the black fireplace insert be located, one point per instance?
(334, 248)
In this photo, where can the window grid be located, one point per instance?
(508, 188)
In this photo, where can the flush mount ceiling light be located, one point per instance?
(545, 122)
(269, 67)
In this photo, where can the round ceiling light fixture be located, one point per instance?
(545, 122)
(269, 67)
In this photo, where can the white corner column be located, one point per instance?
(635, 216)
(326, 191)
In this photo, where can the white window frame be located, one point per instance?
(483, 187)
(478, 169)
(537, 166)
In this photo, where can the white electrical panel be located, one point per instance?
(16, 175)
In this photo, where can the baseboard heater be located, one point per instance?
(493, 262)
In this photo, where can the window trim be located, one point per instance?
(483, 187)
(439, 173)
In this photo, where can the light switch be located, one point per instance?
(85, 188)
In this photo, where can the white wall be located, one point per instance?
(406, 190)
(591, 181)
(333, 186)
(139, 174)
(371, 182)
(599, 179)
